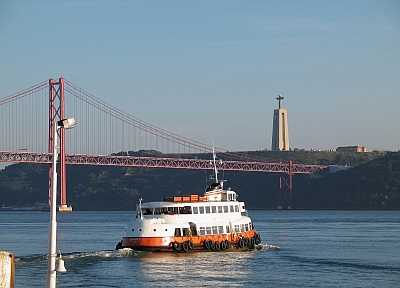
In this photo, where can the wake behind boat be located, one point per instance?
(215, 221)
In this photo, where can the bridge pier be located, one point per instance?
(64, 208)
(285, 189)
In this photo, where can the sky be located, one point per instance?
(211, 70)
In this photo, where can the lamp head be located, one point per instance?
(66, 123)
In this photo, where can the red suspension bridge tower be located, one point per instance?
(56, 113)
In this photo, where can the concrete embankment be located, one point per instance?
(7, 266)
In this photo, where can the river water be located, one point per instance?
(299, 249)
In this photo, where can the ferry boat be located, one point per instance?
(216, 221)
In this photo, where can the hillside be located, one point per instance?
(374, 185)
(371, 185)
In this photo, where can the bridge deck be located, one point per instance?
(154, 162)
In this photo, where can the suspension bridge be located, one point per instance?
(106, 135)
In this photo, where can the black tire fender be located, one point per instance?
(185, 247)
(223, 245)
(241, 243)
(176, 246)
(207, 244)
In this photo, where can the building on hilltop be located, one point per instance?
(351, 149)
(280, 129)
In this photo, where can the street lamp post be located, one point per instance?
(51, 271)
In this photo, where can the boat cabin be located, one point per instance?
(193, 208)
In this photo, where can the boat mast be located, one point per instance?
(140, 208)
(215, 165)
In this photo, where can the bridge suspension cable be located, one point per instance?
(103, 130)
(131, 120)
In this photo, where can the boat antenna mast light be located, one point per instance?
(140, 208)
(215, 165)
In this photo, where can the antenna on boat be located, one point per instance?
(140, 208)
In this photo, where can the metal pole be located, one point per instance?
(290, 182)
(51, 272)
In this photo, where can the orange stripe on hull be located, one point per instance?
(195, 243)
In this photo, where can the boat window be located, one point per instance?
(202, 231)
(208, 209)
(237, 228)
(157, 211)
(219, 209)
(236, 208)
(214, 209)
(201, 209)
(208, 230)
(242, 228)
(251, 225)
(164, 210)
(232, 209)
(195, 210)
(193, 229)
(220, 229)
(185, 210)
(148, 211)
(177, 232)
(186, 231)
(225, 209)
(215, 229)
(170, 210)
(246, 227)
(227, 229)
